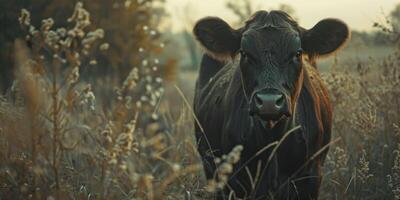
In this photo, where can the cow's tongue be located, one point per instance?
(271, 123)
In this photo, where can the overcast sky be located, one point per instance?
(358, 14)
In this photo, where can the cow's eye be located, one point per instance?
(299, 53)
(242, 53)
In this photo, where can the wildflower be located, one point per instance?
(74, 76)
(124, 141)
(50, 198)
(144, 98)
(47, 24)
(67, 42)
(51, 38)
(132, 79)
(176, 167)
(138, 104)
(157, 93)
(76, 55)
(62, 32)
(336, 161)
(363, 172)
(127, 3)
(158, 80)
(153, 102)
(107, 132)
(93, 36)
(25, 17)
(85, 52)
(32, 30)
(93, 62)
(115, 5)
(104, 46)
(145, 62)
(225, 167)
(88, 98)
(81, 17)
(149, 88)
(56, 47)
(394, 177)
(149, 78)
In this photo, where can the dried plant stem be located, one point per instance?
(169, 179)
(56, 129)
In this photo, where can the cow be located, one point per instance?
(257, 86)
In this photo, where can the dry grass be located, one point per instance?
(366, 116)
(56, 142)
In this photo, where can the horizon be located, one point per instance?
(360, 19)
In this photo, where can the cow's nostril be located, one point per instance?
(280, 102)
(269, 104)
(258, 100)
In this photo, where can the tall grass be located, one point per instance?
(366, 103)
(57, 142)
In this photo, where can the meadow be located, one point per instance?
(67, 132)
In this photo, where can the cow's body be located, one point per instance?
(220, 106)
(268, 93)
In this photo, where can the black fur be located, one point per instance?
(222, 99)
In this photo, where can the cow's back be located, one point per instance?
(211, 88)
(208, 68)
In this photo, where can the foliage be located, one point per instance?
(366, 118)
(60, 140)
(128, 24)
(58, 143)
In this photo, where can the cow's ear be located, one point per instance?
(325, 37)
(217, 37)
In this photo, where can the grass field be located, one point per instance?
(60, 140)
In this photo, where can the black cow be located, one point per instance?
(255, 86)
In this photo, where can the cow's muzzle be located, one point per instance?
(270, 104)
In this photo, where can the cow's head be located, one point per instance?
(272, 48)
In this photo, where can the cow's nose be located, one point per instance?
(270, 106)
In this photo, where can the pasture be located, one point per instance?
(91, 109)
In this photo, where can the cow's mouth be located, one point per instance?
(272, 123)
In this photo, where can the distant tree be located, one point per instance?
(243, 9)
(193, 49)
(289, 10)
(387, 32)
(191, 45)
(395, 15)
(394, 21)
(373, 38)
(126, 24)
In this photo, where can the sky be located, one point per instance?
(358, 14)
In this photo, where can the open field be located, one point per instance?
(69, 130)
